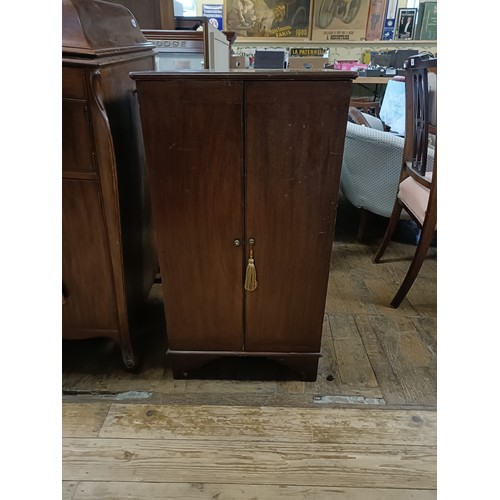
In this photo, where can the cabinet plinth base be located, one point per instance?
(238, 365)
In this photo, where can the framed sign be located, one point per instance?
(375, 23)
(390, 20)
(214, 12)
(268, 18)
(405, 25)
(338, 20)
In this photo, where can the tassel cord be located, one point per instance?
(251, 274)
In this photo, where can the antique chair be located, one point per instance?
(371, 167)
(417, 191)
(366, 105)
(356, 115)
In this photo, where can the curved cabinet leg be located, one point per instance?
(128, 356)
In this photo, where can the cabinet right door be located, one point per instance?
(294, 145)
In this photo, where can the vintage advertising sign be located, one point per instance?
(376, 17)
(337, 20)
(268, 18)
(308, 52)
(214, 12)
(390, 20)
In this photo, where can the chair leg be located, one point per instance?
(364, 216)
(418, 259)
(391, 227)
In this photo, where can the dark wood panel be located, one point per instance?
(73, 83)
(77, 145)
(140, 263)
(292, 183)
(194, 154)
(87, 280)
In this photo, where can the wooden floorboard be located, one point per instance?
(198, 491)
(83, 420)
(278, 424)
(299, 447)
(68, 489)
(354, 371)
(347, 465)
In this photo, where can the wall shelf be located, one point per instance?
(337, 49)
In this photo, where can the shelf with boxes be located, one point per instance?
(336, 50)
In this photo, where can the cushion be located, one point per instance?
(371, 168)
(415, 196)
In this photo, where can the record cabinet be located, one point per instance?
(244, 170)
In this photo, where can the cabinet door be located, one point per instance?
(90, 303)
(194, 152)
(294, 145)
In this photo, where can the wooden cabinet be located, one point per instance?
(207, 48)
(235, 157)
(108, 253)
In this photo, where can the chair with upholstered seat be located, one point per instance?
(371, 167)
(417, 191)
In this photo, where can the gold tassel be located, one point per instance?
(251, 274)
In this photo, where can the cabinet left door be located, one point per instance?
(88, 290)
(194, 151)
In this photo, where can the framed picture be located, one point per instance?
(339, 20)
(268, 18)
(405, 25)
(375, 23)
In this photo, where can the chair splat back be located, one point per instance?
(418, 116)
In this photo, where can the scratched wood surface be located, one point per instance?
(87, 490)
(200, 451)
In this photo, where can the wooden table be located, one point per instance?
(374, 80)
(379, 81)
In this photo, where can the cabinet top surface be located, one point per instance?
(258, 74)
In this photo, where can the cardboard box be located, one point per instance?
(307, 62)
(239, 62)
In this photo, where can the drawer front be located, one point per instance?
(73, 83)
(77, 143)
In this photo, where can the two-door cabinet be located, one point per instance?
(244, 164)
(108, 253)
